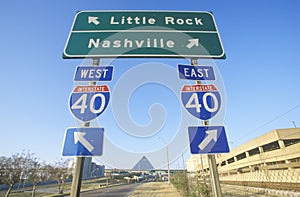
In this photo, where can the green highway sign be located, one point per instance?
(104, 34)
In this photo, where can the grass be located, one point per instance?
(86, 185)
(156, 189)
(23, 194)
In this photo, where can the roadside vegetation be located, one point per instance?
(190, 187)
(22, 174)
(25, 169)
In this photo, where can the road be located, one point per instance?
(117, 191)
(126, 190)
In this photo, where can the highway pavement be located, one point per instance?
(116, 191)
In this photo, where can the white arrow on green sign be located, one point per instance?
(144, 34)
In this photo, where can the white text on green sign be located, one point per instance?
(144, 34)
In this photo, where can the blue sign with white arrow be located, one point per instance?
(93, 73)
(196, 72)
(208, 139)
(83, 141)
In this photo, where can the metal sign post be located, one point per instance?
(76, 181)
(140, 34)
(214, 181)
(77, 176)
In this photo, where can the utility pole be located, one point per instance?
(294, 124)
(167, 151)
(168, 165)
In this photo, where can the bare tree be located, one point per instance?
(11, 170)
(36, 175)
(25, 166)
(19, 166)
(59, 171)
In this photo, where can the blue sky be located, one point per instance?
(260, 76)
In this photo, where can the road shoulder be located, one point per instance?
(156, 189)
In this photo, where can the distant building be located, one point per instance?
(97, 170)
(86, 172)
(90, 169)
(195, 162)
(273, 157)
(71, 166)
(143, 165)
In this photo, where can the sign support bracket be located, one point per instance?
(77, 176)
(214, 180)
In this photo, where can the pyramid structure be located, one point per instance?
(143, 165)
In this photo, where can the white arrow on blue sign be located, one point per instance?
(93, 73)
(208, 139)
(196, 72)
(202, 101)
(88, 102)
(83, 141)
